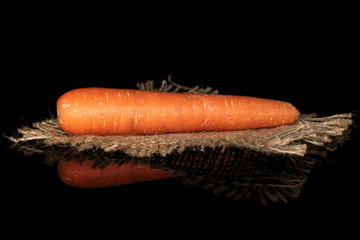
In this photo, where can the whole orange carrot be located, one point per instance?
(84, 175)
(107, 111)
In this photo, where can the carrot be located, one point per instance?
(107, 111)
(85, 176)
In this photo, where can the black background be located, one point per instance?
(312, 63)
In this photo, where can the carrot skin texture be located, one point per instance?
(84, 175)
(107, 111)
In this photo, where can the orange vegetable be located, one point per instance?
(85, 176)
(107, 111)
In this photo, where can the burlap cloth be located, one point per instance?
(272, 163)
